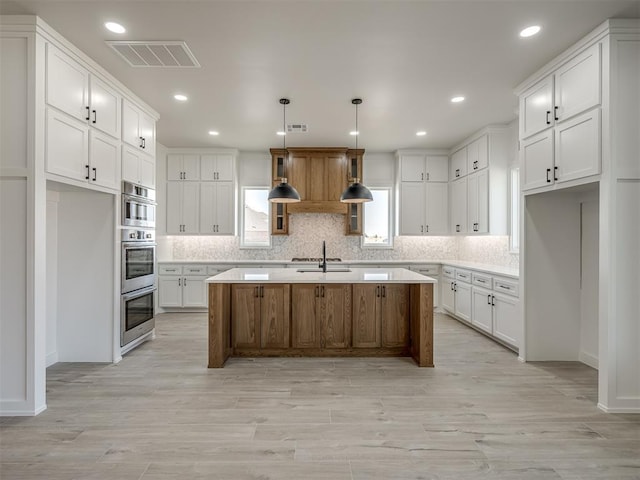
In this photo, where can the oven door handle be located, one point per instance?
(138, 293)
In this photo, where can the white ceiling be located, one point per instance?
(404, 59)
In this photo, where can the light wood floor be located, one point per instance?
(160, 414)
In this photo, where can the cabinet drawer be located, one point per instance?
(463, 275)
(506, 286)
(170, 269)
(449, 272)
(429, 270)
(482, 280)
(194, 270)
(216, 269)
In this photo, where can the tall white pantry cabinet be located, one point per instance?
(580, 132)
(62, 120)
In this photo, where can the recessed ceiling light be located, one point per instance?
(457, 99)
(115, 27)
(281, 133)
(354, 133)
(180, 97)
(421, 133)
(530, 31)
(214, 133)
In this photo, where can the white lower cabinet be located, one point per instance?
(183, 285)
(490, 304)
(430, 271)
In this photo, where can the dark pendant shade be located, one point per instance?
(284, 193)
(356, 193)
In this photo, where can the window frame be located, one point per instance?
(389, 244)
(514, 209)
(243, 244)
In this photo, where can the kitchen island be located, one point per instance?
(359, 312)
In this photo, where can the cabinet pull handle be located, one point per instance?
(317, 291)
(489, 299)
(322, 291)
(428, 176)
(457, 172)
(384, 291)
(455, 286)
(421, 228)
(504, 287)
(548, 113)
(141, 144)
(144, 142)
(255, 292)
(95, 173)
(492, 301)
(377, 290)
(95, 116)
(87, 117)
(452, 285)
(184, 282)
(548, 172)
(179, 282)
(261, 291)
(87, 177)
(426, 228)
(479, 280)
(458, 228)
(555, 171)
(422, 176)
(555, 113)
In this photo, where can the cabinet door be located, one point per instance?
(104, 159)
(577, 84)
(194, 291)
(148, 132)
(131, 125)
(224, 168)
(412, 168)
(412, 208)
(335, 320)
(437, 208)
(459, 206)
(577, 143)
(174, 167)
(174, 207)
(536, 108)
(147, 171)
(207, 168)
(395, 315)
(169, 291)
(274, 316)
(366, 316)
(478, 202)
(335, 168)
(208, 208)
(537, 161)
(472, 202)
(67, 146)
(478, 154)
(458, 164)
(437, 168)
(191, 167)
(67, 84)
(304, 326)
(245, 304)
(507, 322)
(463, 301)
(105, 108)
(448, 295)
(190, 207)
(224, 208)
(130, 165)
(481, 309)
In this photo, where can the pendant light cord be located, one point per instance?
(357, 131)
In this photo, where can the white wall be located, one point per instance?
(86, 315)
(52, 277)
(589, 279)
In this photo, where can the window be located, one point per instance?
(377, 219)
(255, 217)
(514, 211)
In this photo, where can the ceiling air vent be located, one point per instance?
(171, 54)
(297, 128)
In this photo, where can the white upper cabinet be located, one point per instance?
(217, 168)
(183, 167)
(412, 168)
(412, 208)
(478, 154)
(138, 128)
(137, 167)
(560, 127)
(216, 208)
(437, 209)
(437, 168)
(478, 202)
(104, 160)
(419, 167)
(73, 90)
(459, 206)
(458, 167)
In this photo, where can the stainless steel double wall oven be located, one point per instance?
(138, 257)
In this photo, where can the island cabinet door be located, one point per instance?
(305, 331)
(395, 315)
(366, 316)
(335, 317)
(274, 313)
(245, 312)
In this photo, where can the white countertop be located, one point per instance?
(290, 275)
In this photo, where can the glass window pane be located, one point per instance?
(376, 218)
(255, 230)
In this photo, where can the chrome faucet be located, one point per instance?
(323, 264)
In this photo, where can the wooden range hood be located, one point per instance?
(320, 175)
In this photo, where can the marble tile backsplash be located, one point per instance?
(306, 232)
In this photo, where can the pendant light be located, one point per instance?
(283, 192)
(356, 192)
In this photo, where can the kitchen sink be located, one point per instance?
(319, 270)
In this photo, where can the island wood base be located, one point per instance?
(229, 327)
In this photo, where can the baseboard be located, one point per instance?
(588, 359)
(7, 410)
(619, 410)
(51, 358)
